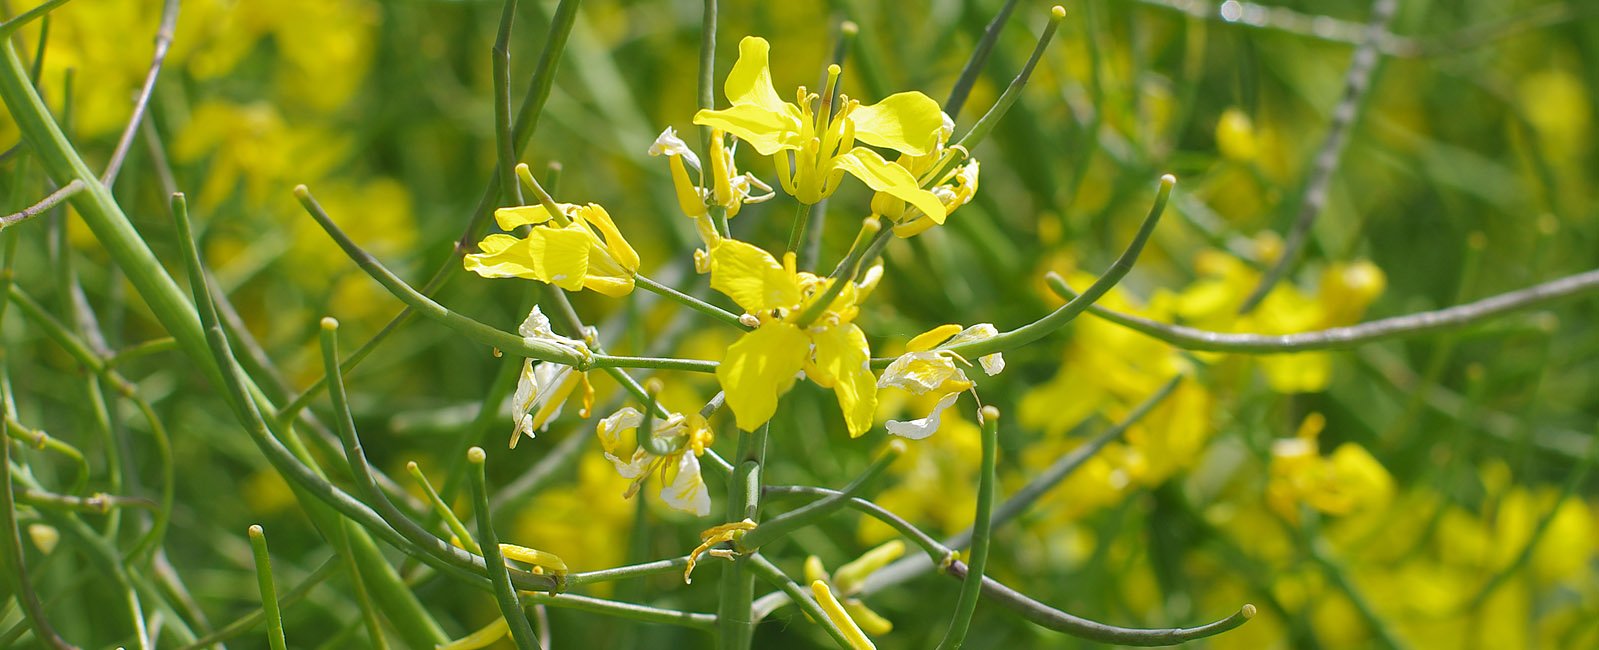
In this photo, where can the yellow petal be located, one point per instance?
(502, 257)
(752, 277)
(871, 622)
(750, 80)
(618, 247)
(841, 363)
(688, 195)
(905, 122)
(767, 130)
(931, 338)
(759, 368)
(523, 215)
(885, 176)
(560, 256)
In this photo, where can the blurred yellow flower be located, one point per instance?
(1348, 480)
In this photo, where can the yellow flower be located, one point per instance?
(923, 370)
(814, 149)
(1235, 136)
(763, 364)
(1347, 481)
(728, 188)
(586, 251)
(544, 387)
(954, 185)
(682, 487)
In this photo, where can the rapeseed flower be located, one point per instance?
(814, 149)
(580, 249)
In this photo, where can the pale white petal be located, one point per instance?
(610, 428)
(687, 491)
(920, 372)
(522, 403)
(668, 144)
(924, 427)
(993, 364)
(536, 327)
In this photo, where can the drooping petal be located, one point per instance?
(522, 403)
(750, 80)
(759, 368)
(923, 427)
(524, 215)
(668, 144)
(685, 489)
(907, 122)
(767, 130)
(992, 364)
(841, 362)
(615, 244)
(752, 277)
(612, 430)
(885, 176)
(503, 256)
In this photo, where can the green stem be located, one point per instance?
(504, 593)
(658, 567)
(619, 609)
(1397, 327)
(1055, 320)
(443, 509)
(249, 621)
(796, 232)
(689, 301)
(504, 149)
(269, 592)
(966, 605)
(7, 27)
(16, 571)
(811, 513)
(974, 62)
(735, 623)
(861, 252)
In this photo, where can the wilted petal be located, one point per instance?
(686, 488)
(923, 427)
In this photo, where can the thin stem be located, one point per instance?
(645, 613)
(269, 591)
(443, 509)
(974, 63)
(848, 269)
(966, 605)
(7, 27)
(249, 621)
(658, 567)
(936, 551)
(504, 149)
(163, 42)
(44, 204)
(689, 301)
(504, 593)
(785, 524)
(1055, 320)
(796, 233)
(141, 350)
(1054, 619)
(1313, 195)
(707, 79)
(16, 570)
(1397, 327)
(765, 570)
